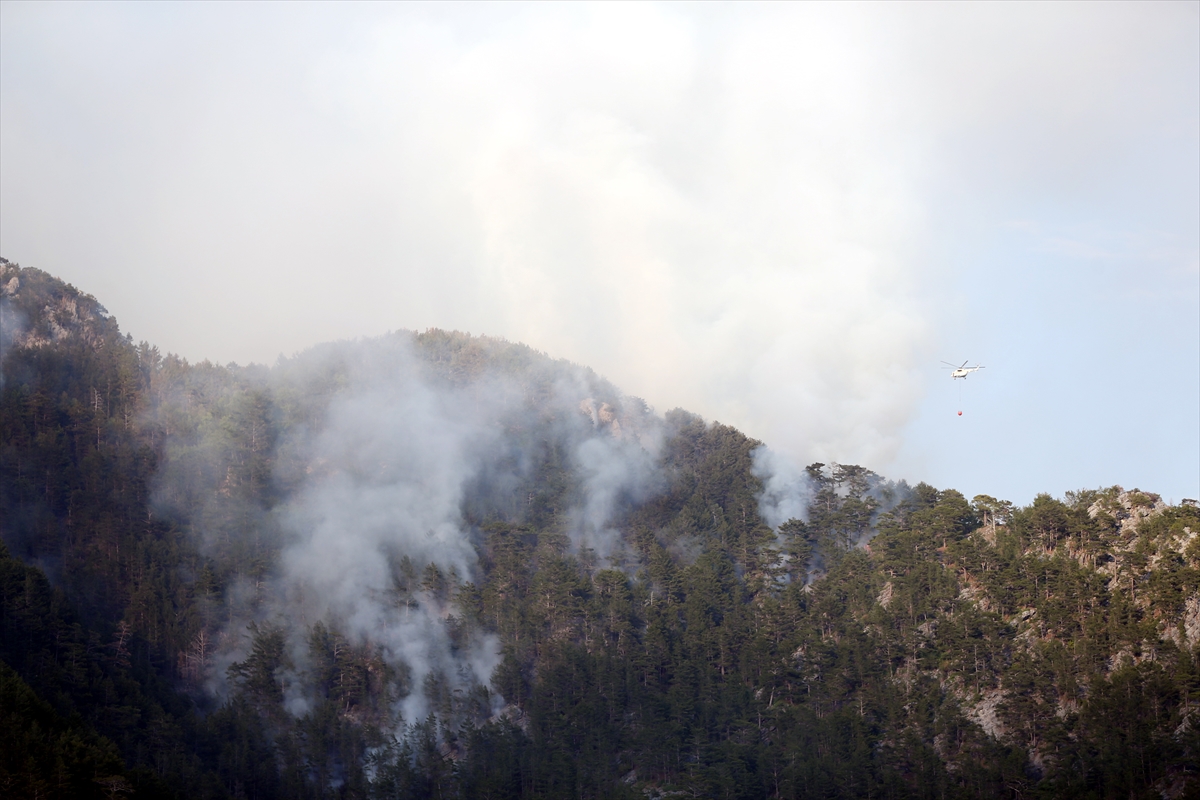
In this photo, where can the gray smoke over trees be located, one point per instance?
(343, 492)
(821, 511)
(12, 325)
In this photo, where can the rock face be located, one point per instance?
(885, 595)
(1187, 634)
(1128, 508)
(986, 713)
(632, 421)
(39, 311)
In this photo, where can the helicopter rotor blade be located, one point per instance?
(948, 364)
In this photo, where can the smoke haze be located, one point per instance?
(781, 217)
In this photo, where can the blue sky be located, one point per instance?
(780, 216)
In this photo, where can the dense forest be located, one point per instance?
(435, 565)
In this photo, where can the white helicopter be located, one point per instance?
(961, 371)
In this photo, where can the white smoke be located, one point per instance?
(388, 472)
(787, 489)
(620, 467)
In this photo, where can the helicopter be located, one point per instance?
(961, 371)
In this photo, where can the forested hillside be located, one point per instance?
(445, 566)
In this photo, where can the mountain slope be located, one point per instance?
(435, 565)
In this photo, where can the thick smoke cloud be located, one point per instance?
(387, 469)
(779, 216)
(719, 223)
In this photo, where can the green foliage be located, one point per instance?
(44, 755)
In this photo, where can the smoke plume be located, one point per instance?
(385, 458)
(787, 490)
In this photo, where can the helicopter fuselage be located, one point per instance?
(962, 370)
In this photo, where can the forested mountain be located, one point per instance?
(439, 565)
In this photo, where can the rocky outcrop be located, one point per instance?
(41, 311)
(1127, 508)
